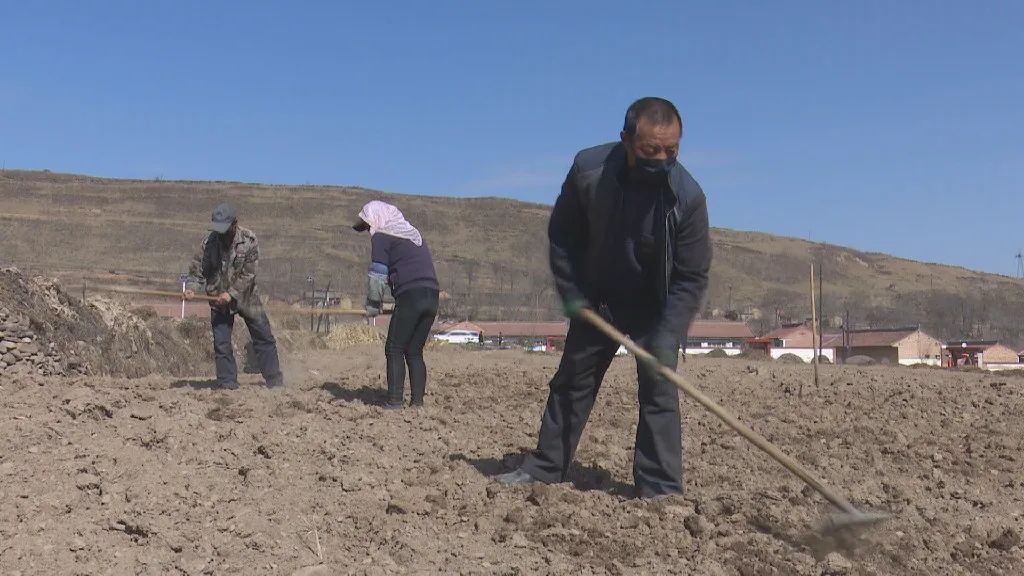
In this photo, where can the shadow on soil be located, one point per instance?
(364, 394)
(583, 477)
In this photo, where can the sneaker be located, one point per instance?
(390, 406)
(275, 382)
(416, 404)
(656, 496)
(516, 477)
(229, 386)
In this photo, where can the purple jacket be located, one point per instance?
(400, 265)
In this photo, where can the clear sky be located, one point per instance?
(885, 126)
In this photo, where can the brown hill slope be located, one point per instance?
(491, 253)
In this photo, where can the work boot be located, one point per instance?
(233, 385)
(516, 477)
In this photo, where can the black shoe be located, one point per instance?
(416, 404)
(229, 386)
(391, 406)
(275, 382)
(516, 477)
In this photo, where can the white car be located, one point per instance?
(459, 337)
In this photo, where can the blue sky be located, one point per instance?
(886, 126)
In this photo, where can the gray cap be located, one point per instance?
(224, 215)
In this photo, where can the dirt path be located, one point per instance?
(164, 476)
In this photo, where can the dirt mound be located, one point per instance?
(753, 354)
(860, 361)
(63, 335)
(717, 353)
(788, 358)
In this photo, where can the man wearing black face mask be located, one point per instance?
(628, 237)
(226, 266)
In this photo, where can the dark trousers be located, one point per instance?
(263, 343)
(657, 455)
(414, 314)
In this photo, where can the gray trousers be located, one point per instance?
(263, 344)
(658, 452)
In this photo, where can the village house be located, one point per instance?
(707, 335)
(507, 333)
(903, 346)
(985, 354)
(794, 339)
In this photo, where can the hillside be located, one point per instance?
(491, 253)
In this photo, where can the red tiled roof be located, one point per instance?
(540, 329)
(719, 329)
(510, 329)
(699, 329)
(447, 327)
(782, 333)
(868, 338)
(983, 344)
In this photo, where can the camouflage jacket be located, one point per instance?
(232, 269)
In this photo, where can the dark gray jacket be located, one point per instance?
(579, 228)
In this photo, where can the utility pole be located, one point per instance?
(846, 335)
(312, 300)
(821, 305)
(814, 338)
(184, 282)
(1020, 263)
(320, 318)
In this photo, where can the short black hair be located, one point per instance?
(656, 110)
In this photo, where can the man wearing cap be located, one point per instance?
(226, 265)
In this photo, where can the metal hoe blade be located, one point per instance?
(848, 521)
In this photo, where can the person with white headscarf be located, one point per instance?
(400, 259)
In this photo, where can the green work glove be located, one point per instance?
(660, 357)
(572, 306)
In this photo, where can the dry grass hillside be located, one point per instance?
(491, 253)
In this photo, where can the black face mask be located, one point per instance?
(652, 167)
(653, 172)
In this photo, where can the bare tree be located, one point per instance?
(498, 270)
(470, 267)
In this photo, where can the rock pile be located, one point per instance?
(46, 331)
(21, 352)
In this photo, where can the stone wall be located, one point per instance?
(22, 352)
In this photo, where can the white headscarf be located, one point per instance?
(387, 219)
